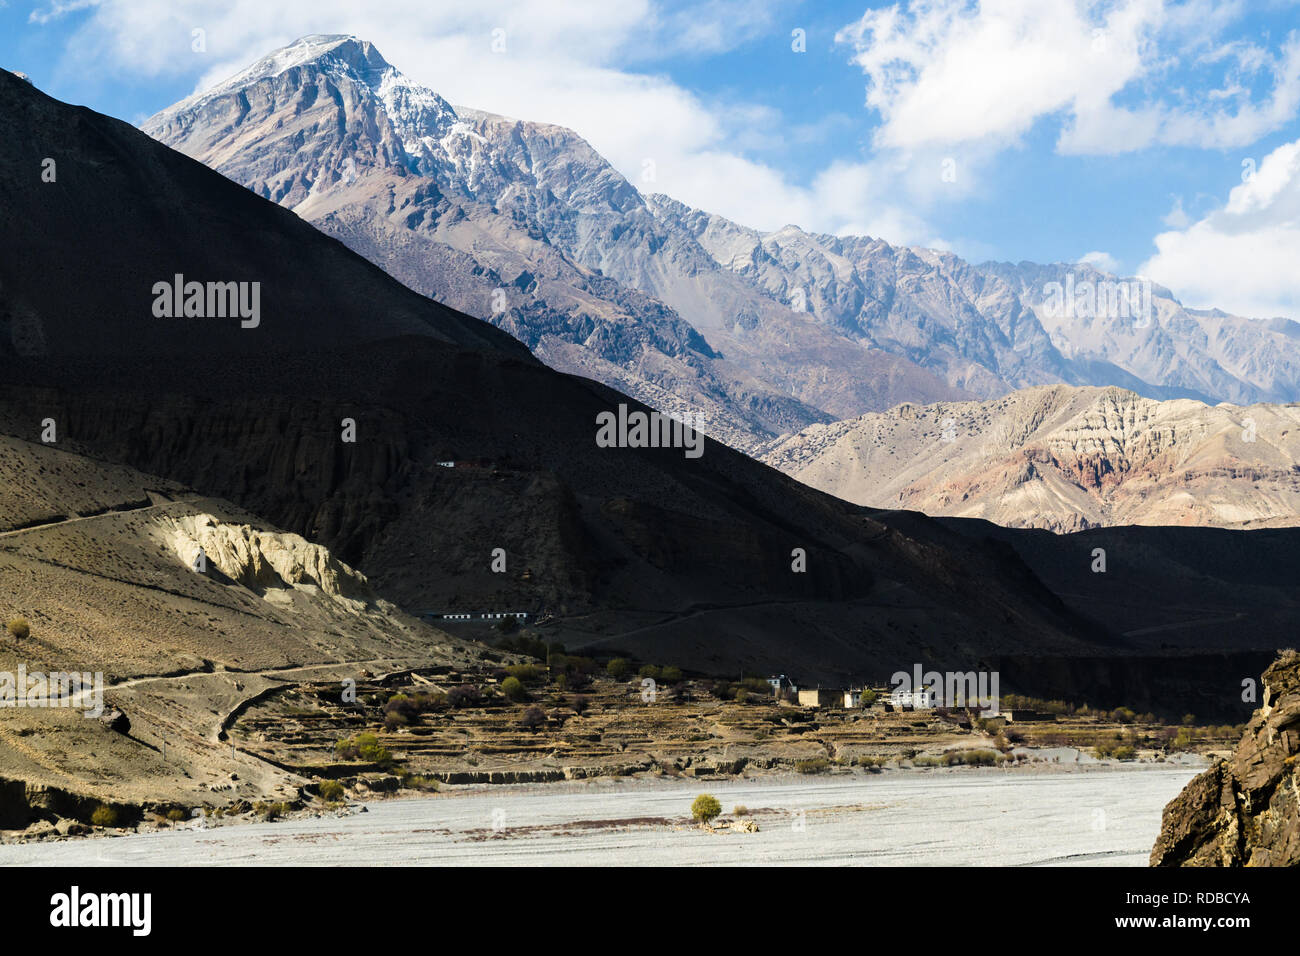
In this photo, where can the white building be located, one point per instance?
(917, 699)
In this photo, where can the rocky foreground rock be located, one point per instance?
(1245, 811)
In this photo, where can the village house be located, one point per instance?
(821, 697)
(782, 686)
(912, 700)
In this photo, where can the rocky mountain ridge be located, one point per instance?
(525, 225)
(1062, 458)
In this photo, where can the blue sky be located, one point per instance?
(1131, 131)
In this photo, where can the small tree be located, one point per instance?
(619, 668)
(532, 717)
(513, 688)
(705, 808)
(104, 816)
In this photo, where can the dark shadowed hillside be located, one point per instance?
(609, 539)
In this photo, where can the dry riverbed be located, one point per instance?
(1102, 816)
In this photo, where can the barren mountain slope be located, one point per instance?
(1062, 458)
(101, 562)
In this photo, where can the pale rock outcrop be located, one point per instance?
(267, 561)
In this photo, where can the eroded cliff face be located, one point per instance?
(266, 562)
(1062, 458)
(1245, 811)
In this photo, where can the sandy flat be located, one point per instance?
(971, 817)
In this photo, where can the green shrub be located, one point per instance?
(670, 675)
(1125, 753)
(331, 790)
(413, 781)
(814, 765)
(527, 673)
(514, 689)
(619, 668)
(104, 816)
(271, 811)
(19, 629)
(650, 671)
(705, 807)
(364, 746)
(176, 815)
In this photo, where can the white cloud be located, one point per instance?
(1103, 261)
(58, 8)
(1241, 257)
(950, 72)
(570, 62)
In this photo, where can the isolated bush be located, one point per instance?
(271, 811)
(814, 765)
(176, 815)
(650, 671)
(104, 816)
(532, 717)
(740, 810)
(413, 781)
(619, 668)
(364, 746)
(513, 689)
(705, 807)
(19, 629)
(670, 675)
(1124, 753)
(464, 695)
(331, 790)
(526, 673)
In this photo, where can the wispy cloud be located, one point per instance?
(947, 72)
